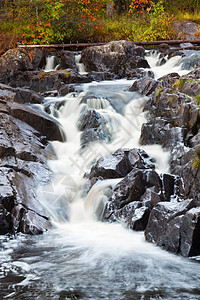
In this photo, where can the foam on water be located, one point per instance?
(82, 258)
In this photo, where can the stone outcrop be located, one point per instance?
(175, 227)
(94, 127)
(12, 62)
(139, 189)
(118, 57)
(173, 122)
(24, 151)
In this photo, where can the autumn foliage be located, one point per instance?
(47, 21)
(65, 21)
(140, 6)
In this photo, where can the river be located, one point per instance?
(81, 257)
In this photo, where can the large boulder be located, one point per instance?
(24, 153)
(66, 60)
(42, 122)
(191, 87)
(20, 210)
(94, 127)
(175, 107)
(12, 62)
(175, 227)
(21, 95)
(37, 57)
(41, 81)
(145, 86)
(138, 190)
(159, 131)
(119, 164)
(118, 57)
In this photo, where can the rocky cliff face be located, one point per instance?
(24, 151)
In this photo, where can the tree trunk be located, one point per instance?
(110, 8)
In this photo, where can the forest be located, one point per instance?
(67, 21)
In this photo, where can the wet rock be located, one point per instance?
(63, 90)
(43, 123)
(131, 189)
(12, 62)
(195, 74)
(37, 57)
(190, 233)
(172, 226)
(182, 164)
(191, 60)
(146, 86)
(120, 163)
(66, 60)
(94, 127)
(24, 153)
(132, 215)
(20, 210)
(176, 108)
(21, 95)
(6, 95)
(195, 140)
(118, 57)
(191, 87)
(159, 131)
(99, 76)
(27, 96)
(41, 81)
(169, 80)
(166, 50)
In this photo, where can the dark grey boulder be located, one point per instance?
(118, 57)
(159, 131)
(43, 123)
(174, 227)
(175, 107)
(168, 81)
(190, 233)
(120, 163)
(63, 90)
(94, 127)
(166, 50)
(24, 153)
(20, 95)
(66, 60)
(145, 86)
(12, 62)
(191, 87)
(37, 56)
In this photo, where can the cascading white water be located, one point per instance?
(80, 66)
(173, 65)
(72, 162)
(82, 258)
(50, 63)
(123, 113)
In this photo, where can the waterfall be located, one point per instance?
(80, 66)
(50, 63)
(124, 116)
(172, 65)
(122, 112)
(82, 258)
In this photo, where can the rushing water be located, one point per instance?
(82, 258)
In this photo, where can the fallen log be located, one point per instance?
(84, 45)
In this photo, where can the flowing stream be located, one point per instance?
(82, 258)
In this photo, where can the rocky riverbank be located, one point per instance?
(165, 206)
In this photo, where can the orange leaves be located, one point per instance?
(139, 6)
